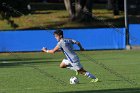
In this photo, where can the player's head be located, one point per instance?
(58, 34)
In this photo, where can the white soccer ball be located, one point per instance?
(74, 80)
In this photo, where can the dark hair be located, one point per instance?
(58, 32)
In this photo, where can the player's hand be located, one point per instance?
(44, 49)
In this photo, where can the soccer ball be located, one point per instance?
(74, 80)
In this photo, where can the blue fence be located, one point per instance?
(134, 34)
(34, 40)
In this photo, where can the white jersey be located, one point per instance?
(66, 45)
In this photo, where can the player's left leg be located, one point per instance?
(88, 74)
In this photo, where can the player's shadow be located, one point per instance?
(19, 63)
(22, 59)
(124, 90)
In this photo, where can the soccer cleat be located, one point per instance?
(94, 80)
(77, 73)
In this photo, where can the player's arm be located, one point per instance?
(50, 51)
(80, 46)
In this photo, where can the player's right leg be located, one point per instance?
(62, 65)
(66, 64)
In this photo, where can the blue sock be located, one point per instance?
(89, 75)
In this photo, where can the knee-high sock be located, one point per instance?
(89, 75)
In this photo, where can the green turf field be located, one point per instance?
(118, 71)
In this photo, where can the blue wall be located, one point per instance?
(105, 38)
(134, 30)
(25, 40)
(34, 40)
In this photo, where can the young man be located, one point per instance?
(72, 62)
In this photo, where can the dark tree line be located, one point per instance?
(79, 10)
(10, 8)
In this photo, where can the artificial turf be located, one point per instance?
(37, 72)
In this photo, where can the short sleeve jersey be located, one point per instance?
(66, 45)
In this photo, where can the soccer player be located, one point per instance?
(72, 62)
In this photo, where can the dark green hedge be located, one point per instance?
(10, 6)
